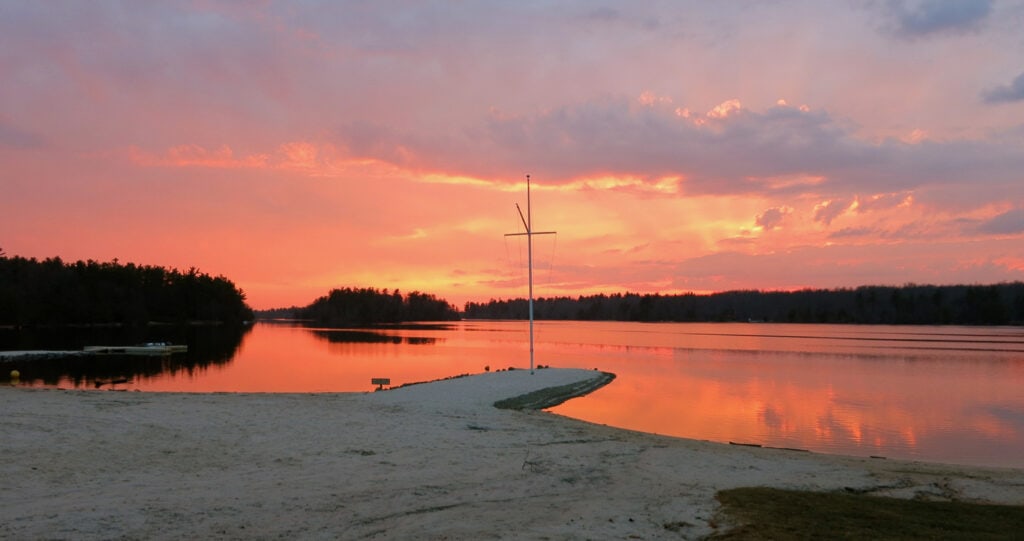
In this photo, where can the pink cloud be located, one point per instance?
(296, 147)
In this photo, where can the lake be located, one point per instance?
(944, 394)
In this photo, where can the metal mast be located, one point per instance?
(528, 224)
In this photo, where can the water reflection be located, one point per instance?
(922, 401)
(343, 336)
(949, 394)
(208, 346)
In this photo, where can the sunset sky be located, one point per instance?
(295, 147)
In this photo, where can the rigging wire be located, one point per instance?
(518, 271)
(551, 260)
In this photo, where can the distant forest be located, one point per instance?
(1000, 304)
(52, 292)
(367, 306)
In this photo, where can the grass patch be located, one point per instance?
(770, 513)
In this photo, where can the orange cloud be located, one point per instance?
(301, 155)
(649, 98)
(197, 156)
(724, 109)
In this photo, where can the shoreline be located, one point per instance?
(539, 400)
(431, 460)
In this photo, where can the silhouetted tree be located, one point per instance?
(367, 306)
(52, 292)
(998, 304)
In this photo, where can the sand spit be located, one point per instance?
(39, 355)
(431, 461)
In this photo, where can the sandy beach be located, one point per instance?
(429, 461)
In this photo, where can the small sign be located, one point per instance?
(380, 382)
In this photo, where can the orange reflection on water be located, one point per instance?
(864, 404)
(943, 394)
(284, 359)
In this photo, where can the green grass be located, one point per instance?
(769, 513)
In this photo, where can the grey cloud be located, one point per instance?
(771, 218)
(906, 232)
(1006, 93)
(367, 139)
(880, 201)
(724, 155)
(603, 14)
(852, 232)
(828, 212)
(773, 152)
(13, 137)
(613, 16)
(1007, 223)
(747, 152)
(938, 16)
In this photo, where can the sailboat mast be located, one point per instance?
(528, 224)
(529, 259)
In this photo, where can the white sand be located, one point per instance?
(431, 461)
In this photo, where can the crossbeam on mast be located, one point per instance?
(528, 224)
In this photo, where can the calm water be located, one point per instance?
(947, 394)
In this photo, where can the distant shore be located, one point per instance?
(434, 460)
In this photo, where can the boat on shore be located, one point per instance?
(149, 348)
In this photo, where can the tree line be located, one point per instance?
(999, 304)
(369, 306)
(52, 292)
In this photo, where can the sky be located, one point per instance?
(300, 146)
